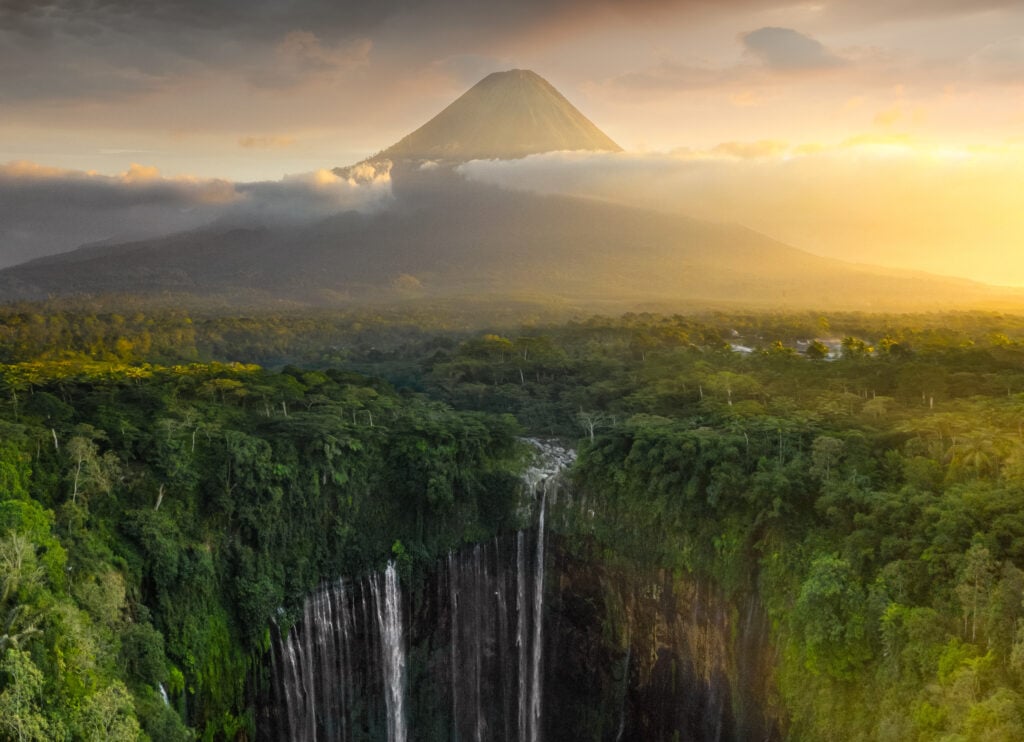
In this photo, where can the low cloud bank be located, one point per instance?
(881, 200)
(45, 210)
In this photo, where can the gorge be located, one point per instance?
(528, 636)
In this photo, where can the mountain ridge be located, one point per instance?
(452, 238)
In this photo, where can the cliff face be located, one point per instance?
(652, 656)
(616, 655)
(531, 636)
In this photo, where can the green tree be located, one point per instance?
(108, 715)
(19, 573)
(90, 471)
(825, 454)
(830, 614)
(21, 689)
(974, 587)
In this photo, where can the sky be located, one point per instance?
(881, 131)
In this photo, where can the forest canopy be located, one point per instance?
(164, 500)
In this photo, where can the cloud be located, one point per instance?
(139, 184)
(45, 210)
(309, 196)
(301, 56)
(767, 50)
(788, 50)
(889, 116)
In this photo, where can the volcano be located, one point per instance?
(505, 116)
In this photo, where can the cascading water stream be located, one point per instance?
(521, 635)
(388, 600)
(538, 628)
(541, 478)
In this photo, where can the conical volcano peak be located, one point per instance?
(505, 116)
(516, 77)
(514, 74)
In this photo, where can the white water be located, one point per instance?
(521, 638)
(389, 618)
(625, 677)
(542, 477)
(538, 623)
(550, 462)
(163, 694)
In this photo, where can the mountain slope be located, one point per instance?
(449, 238)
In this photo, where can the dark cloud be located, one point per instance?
(789, 50)
(66, 49)
(82, 49)
(302, 55)
(45, 211)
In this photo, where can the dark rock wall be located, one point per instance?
(649, 656)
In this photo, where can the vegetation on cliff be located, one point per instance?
(154, 520)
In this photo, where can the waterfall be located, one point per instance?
(541, 478)
(496, 643)
(538, 626)
(163, 694)
(346, 650)
(472, 653)
(625, 679)
(521, 637)
(389, 619)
